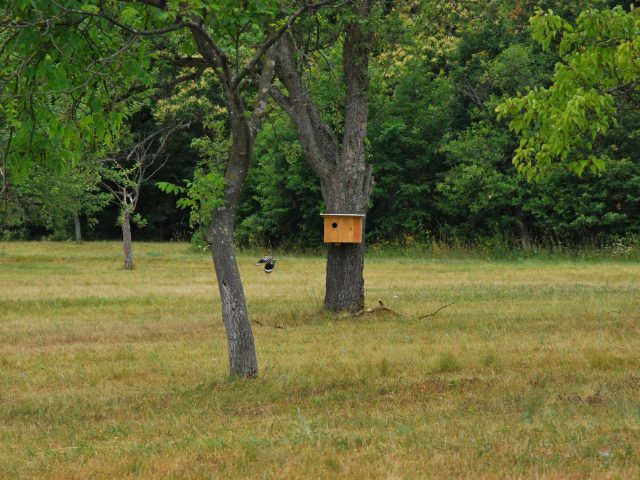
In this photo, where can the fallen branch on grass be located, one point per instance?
(379, 308)
(436, 312)
(275, 325)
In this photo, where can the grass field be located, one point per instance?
(534, 372)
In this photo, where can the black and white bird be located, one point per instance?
(269, 263)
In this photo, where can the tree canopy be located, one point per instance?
(598, 74)
(442, 161)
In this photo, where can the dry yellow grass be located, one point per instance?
(105, 373)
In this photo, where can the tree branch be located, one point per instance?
(264, 83)
(355, 67)
(274, 38)
(183, 62)
(281, 99)
(319, 143)
(436, 312)
(210, 49)
(160, 86)
(122, 26)
(275, 325)
(380, 308)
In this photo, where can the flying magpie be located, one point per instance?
(269, 263)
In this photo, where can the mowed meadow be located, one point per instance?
(533, 372)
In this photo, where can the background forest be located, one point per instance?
(442, 160)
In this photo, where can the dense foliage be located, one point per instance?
(443, 159)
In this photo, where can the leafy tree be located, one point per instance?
(480, 196)
(410, 114)
(83, 57)
(337, 158)
(53, 201)
(597, 77)
(282, 199)
(124, 173)
(595, 210)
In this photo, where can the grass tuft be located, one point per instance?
(447, 363)
(491, 360)
(606, 361)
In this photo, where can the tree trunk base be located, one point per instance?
(345, 279)
(243, 362)
(126, 242)
(77, 228)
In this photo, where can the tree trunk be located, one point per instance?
(345, 176)
(126, 241)
(235, 314)
(78, 228)
(345, 279)
(244, 127)
(525, 235)
(347, 192)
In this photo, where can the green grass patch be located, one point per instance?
(447, 363)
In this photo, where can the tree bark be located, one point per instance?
(345, 177)
(126, 241)
(235, 314)
(525, 235)
(345, 279)
(77, 227)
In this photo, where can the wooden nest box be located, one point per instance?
(342, 228)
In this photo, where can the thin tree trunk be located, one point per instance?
(126, 241)
(78, 227)
(235, 314)
(525, 235)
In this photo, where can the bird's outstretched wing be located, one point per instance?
(269, 263)
(265, 259)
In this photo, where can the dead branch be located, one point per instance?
(436, 312)
(275, 325)
(380, 308)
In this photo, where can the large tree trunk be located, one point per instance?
(78, 228)
(126, 241)
(345, 262)
(347, 191)
(345, 279)
(345, 176)
(351, 183)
